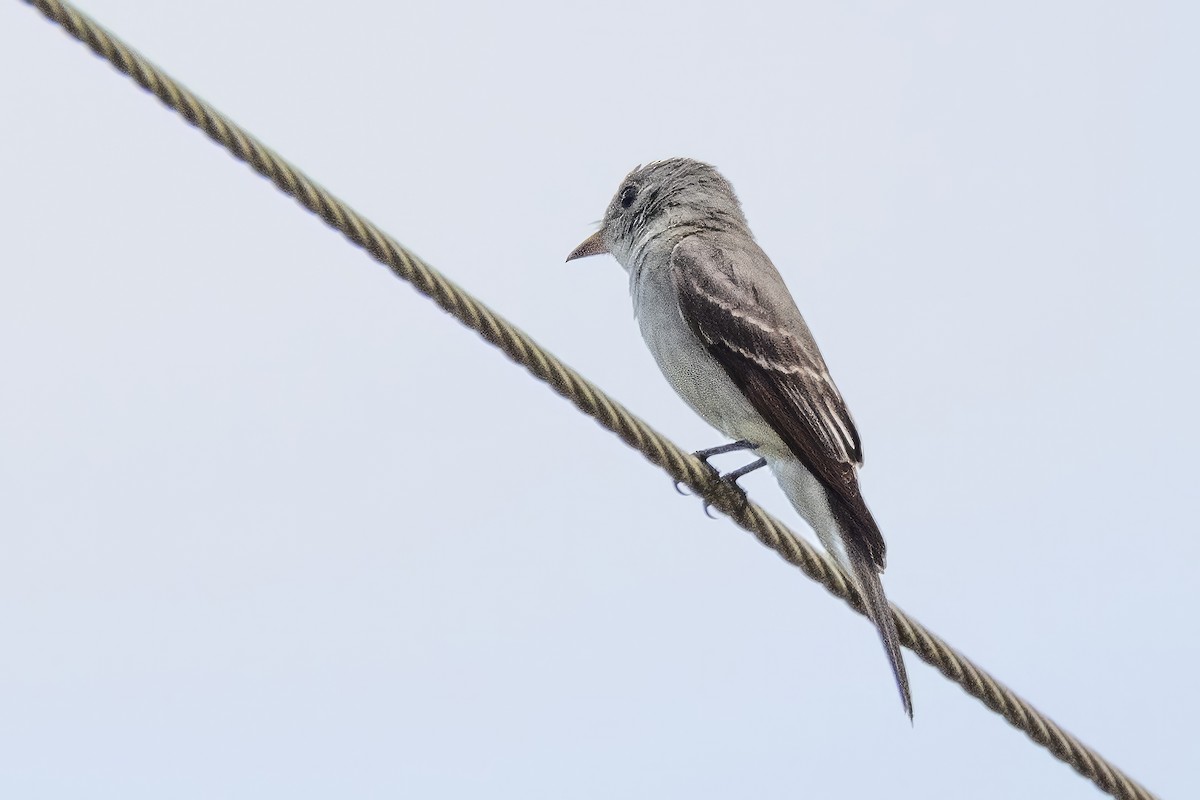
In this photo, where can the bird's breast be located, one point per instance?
(692, 371)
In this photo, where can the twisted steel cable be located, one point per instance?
(589, 399)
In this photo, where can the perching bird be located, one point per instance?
(727, 335)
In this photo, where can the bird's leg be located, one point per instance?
(705, 455)
(740, 444)
(732, 477)
(729, 478)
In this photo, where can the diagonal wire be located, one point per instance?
(587, 398)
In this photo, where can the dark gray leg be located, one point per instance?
(741, 444)
(705, 455)
(730, 478)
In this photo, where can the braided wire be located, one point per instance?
(589, 399)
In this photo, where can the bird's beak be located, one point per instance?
(591, 246)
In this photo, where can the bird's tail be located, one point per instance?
(840, 534)
(866, 575)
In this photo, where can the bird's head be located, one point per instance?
(661, 203)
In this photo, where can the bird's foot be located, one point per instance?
(707, 453)
(730, 479)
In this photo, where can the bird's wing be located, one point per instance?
(734, 300)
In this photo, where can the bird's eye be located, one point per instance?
(628, 195)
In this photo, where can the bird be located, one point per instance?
(730, 340)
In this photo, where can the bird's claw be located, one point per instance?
(730, 479)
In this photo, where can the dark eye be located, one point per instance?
(628, 195)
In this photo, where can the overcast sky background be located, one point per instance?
(271, 525)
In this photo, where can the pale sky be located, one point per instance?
(272, 525)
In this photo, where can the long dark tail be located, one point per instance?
(849, 534)
(866, 575)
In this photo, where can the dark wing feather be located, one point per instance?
(738, 306)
